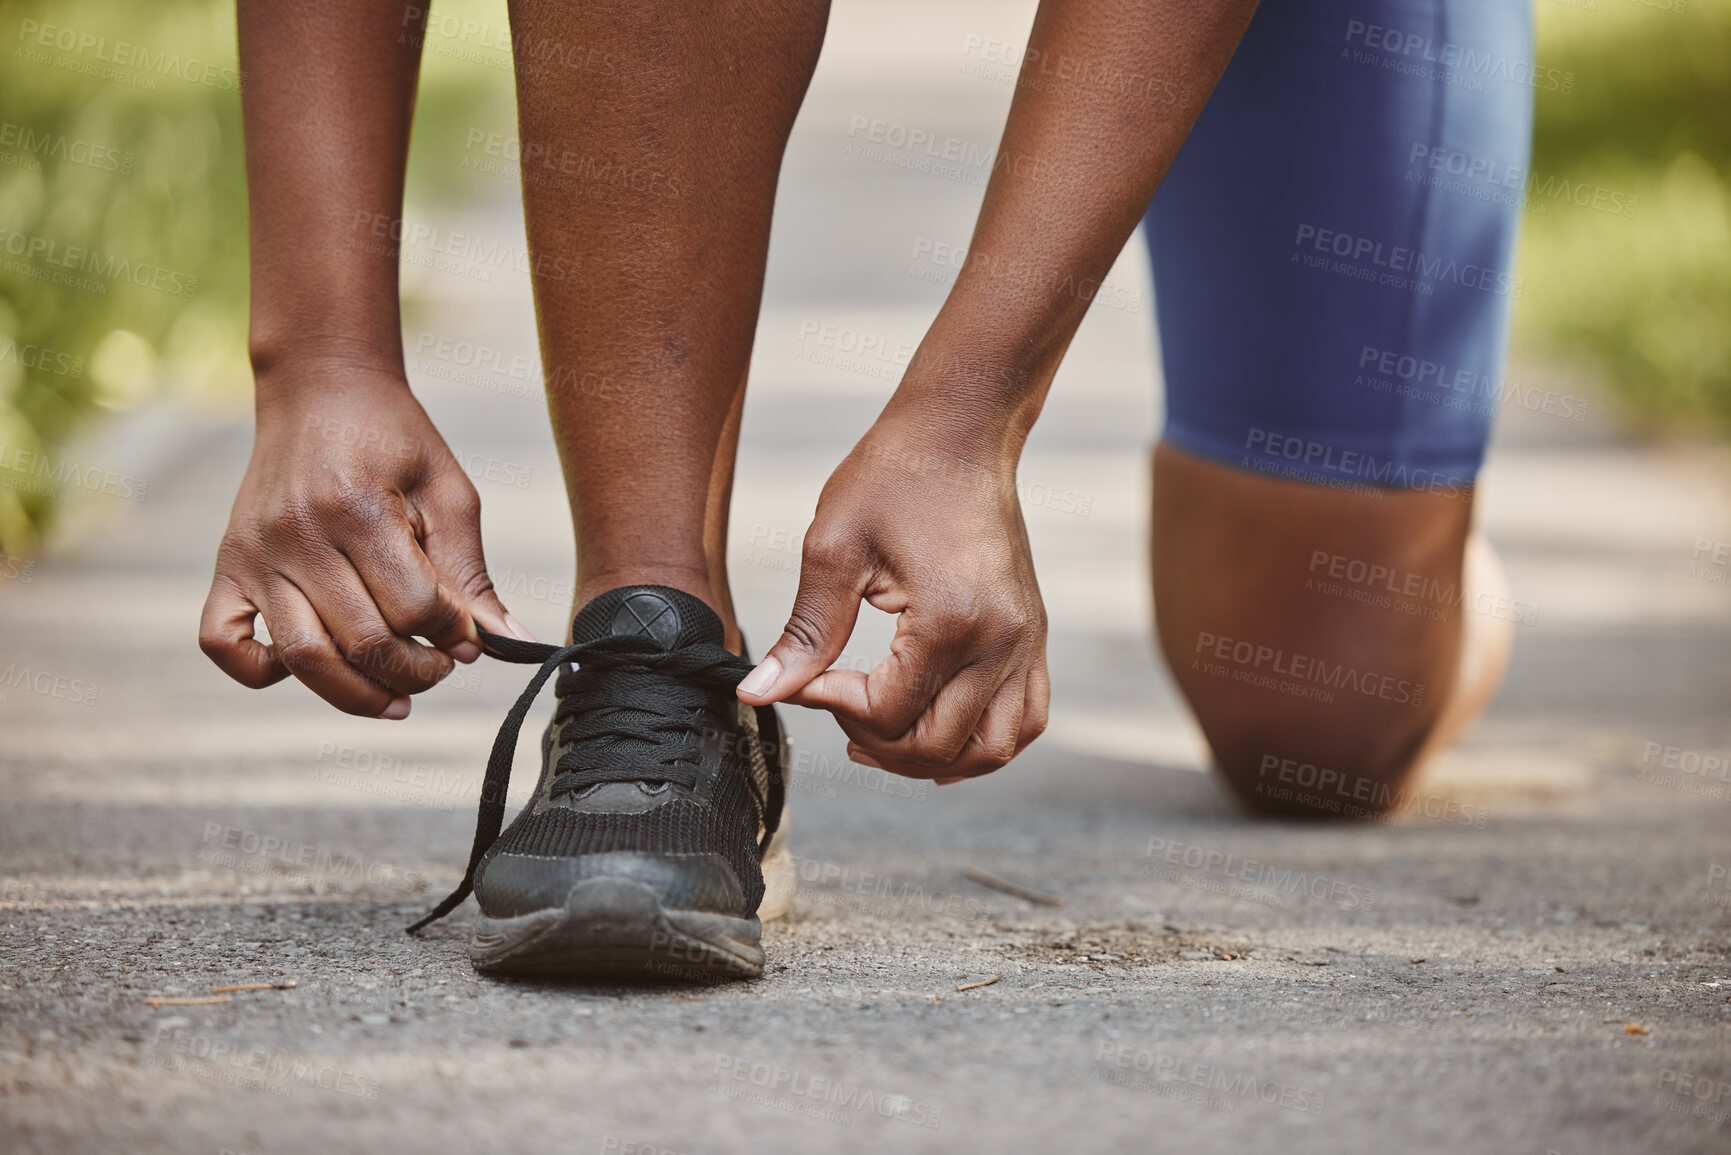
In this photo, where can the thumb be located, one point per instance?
(831, 584)
(451, 542)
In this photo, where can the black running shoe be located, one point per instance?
(658, 814)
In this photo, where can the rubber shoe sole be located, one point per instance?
(616, 928)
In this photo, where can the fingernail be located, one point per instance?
(521, 630)
(397, 710)
(947, 781)
(761, 679)
(465, 651)
(864, 759)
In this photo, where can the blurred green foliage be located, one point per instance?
(1643, 295)
(122, 224)
(123, 261)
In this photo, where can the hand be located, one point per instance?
(355, 532)
(917, 530)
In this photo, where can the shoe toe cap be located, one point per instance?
(511, 885)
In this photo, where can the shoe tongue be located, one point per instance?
(668, 617)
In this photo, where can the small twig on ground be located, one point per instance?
(1007, 887)
(981, 983)
(160, 1001)
(285, 985)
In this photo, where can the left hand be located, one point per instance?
(927, 527)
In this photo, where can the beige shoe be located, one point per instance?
(1487, 641)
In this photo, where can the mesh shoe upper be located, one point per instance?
(651, 768)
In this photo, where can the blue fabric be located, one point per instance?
(1333, 246)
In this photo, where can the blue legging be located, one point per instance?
(1332, 248)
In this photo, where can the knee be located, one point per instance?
(1304, 767)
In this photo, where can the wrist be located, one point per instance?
(936, 443)
(319, 378)
(973, 406)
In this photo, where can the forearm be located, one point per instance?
(328, 101)
(1109, 89)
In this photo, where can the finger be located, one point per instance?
(833, 576)
(363, 638)
(939, 736)
(450, 534)
(225, 634)
(988, 746)
(855, 754)
(401, 581)
(1037, 705)
(928, 651)
(301, 643)
(993, 743)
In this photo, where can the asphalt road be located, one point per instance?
(1535, 958)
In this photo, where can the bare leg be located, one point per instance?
(1310, 627)
(652, 141)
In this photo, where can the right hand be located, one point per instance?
(355, 532)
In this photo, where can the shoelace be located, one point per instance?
(643, 740)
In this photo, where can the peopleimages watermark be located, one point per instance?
(1487, 178)
(1396, 266)
(47, 684)
(799, 1093)
(851, 351)
(252, 852)
(252, 1068)
(935, 261)
(1457, 387)
(1719, 884)
(36, 145)
(448, 251)
(615, 1145)
(916, 149)
(1387, 587)
(28, 471)
(521, 375)
(1686, 1093)
(387, 776)
(1028, 67)
(1458, 65)
(93, 54)
(494, 45)
(1172, 1077)
(1357, 466)
(41, 358)
(481, 467)
(564, 169)
(1717, 556)
(1239, 873)
(1354, 795)
(863, 891)
(1693, 771)
(85, 269)
(1297, 675)
(510, 584)
(809, 771)
(480, 366)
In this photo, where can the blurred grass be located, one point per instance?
(141, 166)
(1644, 299)
(120, 155)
